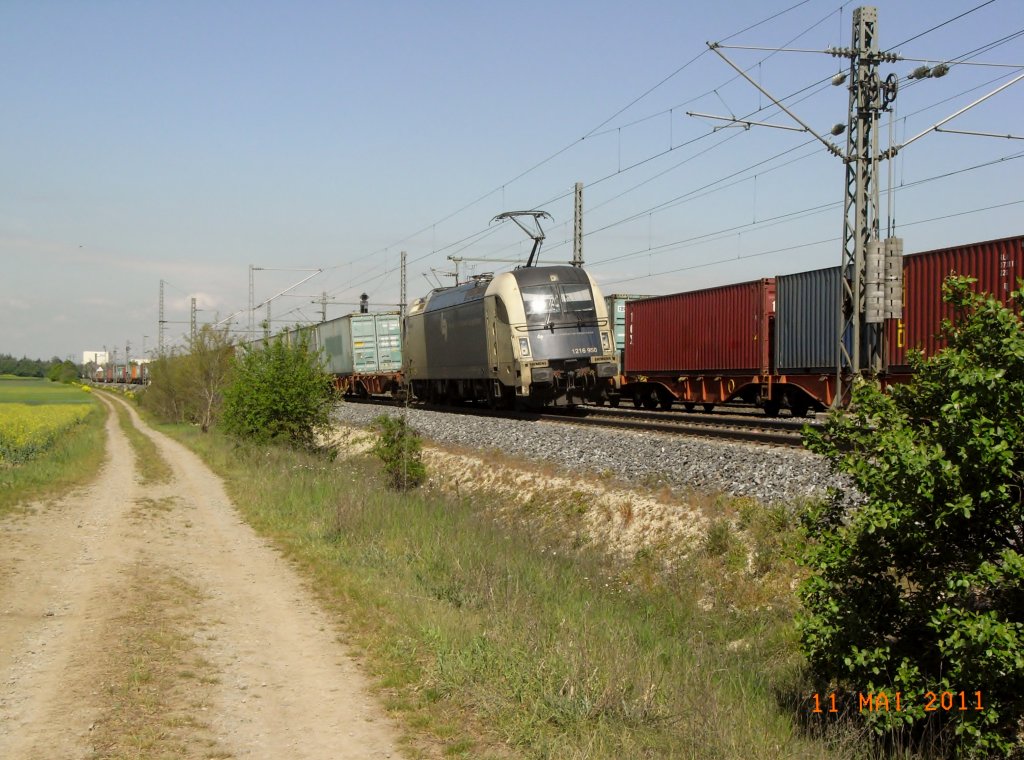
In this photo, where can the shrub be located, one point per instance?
(399, 448)
(921, 588)
(279, 391)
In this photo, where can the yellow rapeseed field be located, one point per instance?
(27, 429)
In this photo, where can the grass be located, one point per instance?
(152, 467)
(496, 641)
(155, 684)
(71, 459)
(35, 390)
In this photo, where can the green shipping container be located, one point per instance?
(617, 314)
(362, 343)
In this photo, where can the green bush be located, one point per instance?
(399, 448)
(921, 587)
(279, 391)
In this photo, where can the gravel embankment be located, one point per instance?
(765, 473)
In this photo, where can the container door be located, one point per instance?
(389, 343)
(364, 343)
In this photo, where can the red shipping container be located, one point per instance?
(719, 330)
(996, 264)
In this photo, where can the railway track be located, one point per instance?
(747, 428)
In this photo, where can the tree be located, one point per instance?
(207, 366)
(187, 386)
(167, 394)
(63, 371)
(920, 588)
(279, 391)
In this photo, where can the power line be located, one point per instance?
(939, 26)
(590, 133)
(797, 246)
(487, 232)
(790, 216)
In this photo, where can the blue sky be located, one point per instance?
(185, 141)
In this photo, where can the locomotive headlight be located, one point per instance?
(524, 346)
(606, 342)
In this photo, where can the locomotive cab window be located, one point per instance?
(541, 301)
(577, 301)
(558, 304)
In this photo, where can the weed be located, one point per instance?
(399, 448)
(720, 538)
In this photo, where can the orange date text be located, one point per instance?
(881, 701)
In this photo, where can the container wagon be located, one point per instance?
(363, 352)
(806, 339)
(996, 264)
(701, 347)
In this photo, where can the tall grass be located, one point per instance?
(491, 641)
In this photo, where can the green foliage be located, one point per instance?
(63, 372)
(279, 391)
(25, 367)
(400, 449)
(167, 396)
(188, 386)
(921, 587)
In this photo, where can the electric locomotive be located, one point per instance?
(536, 336)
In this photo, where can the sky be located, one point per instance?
(186, 141)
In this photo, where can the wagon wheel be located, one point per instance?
(665, 402)
(708, 407)
(690, 406)
(651, 400)
(771, 408)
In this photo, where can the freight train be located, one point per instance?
(774, 342)
(136, 373)
(545, 336)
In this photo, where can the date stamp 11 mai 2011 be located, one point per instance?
(933, 701)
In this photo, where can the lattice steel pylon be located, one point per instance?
(870, 292)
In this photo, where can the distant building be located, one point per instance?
(96, 357)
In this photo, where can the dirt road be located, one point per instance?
(149, 621)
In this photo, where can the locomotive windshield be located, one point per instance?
(569, 304)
